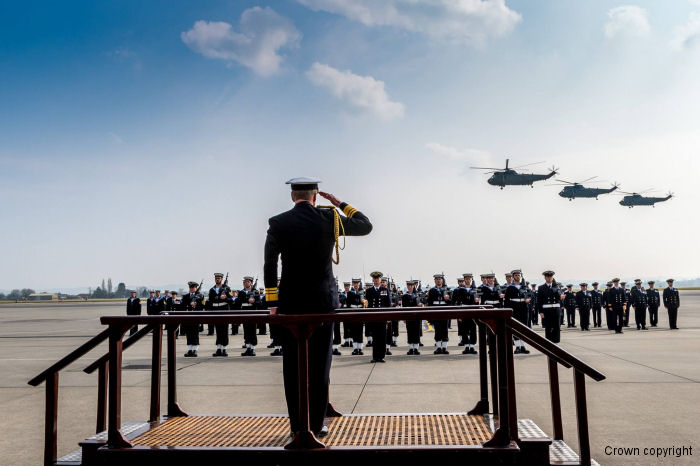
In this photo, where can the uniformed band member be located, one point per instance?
(248, 300)
(438, 296)
(653, 301)
(570, 306)
(410, 299)
(638, 297)
(133, 308)
(220, 299)
(549, 299)
(354, 301)
(304, 237)
(378, 296)
(584, 302)
(597, 304)
(617, 304)
(516, 299)
(192, 302)
(672, 302)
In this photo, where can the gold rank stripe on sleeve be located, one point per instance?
(349, 211)
(270, 294)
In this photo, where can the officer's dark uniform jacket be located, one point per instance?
(639, 297)
(570, 300)
(304, 237)
(653, 297)
(672, 299)
(192, 302)
(150, 303)
(515, 299)
(241, 302)
(549, 305)
(584, 300)
(378, 297)
(596, 299)
(158, 305)
(490, 296)
(463, 296)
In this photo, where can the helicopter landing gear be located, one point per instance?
(501, 188)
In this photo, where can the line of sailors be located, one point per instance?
(549, 301)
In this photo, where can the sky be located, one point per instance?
(149, 142)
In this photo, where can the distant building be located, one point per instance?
(43, 297)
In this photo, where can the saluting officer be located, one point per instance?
(596, 304)
(639, 301)
(410, 299)
(438, 296)
(517, 300)
(617, 304)
(584, 302)
(672, 302)
(378, 296)
(354, 302)
(192, 301)
(570, 305)
(549, 299)
(248, 300)
(653, 301)
(133, 308)
(220, 299)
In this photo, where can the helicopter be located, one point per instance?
(574, 189)
(509, 177)
(636, 199)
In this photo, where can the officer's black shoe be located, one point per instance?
(224, 353)
(247, 352)
(437, 351)
(473, 351)
(194, 354)
(218, 353)
(323, 432)
(359, 352)
(336, 352)
(466, 351)
(388, 353)
(444, 351)
(271, 345)
(410, 352)
(393, 345)
(524, 351)
(276, 352)
(369, 344)
(188, 354)
(517, 350)
(644, 328)
(420, 344)
(355, 352)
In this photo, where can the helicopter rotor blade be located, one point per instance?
(589, 179)
(527, 165)
(485, 168)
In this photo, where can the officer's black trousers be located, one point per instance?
(394, 328)
(469, 329)
(210, 329)
(552, 324)
(413, 331)
(319, 375)
(618, 318)
(585, 317)
(534, 316)
(653, 315)
(250, 337)
(672, 316)
(356, 332)
(640, 315)
(378, 332)
(440, 330)
(347, 333)
(192, 333)
(610, 318)
(275, 333)
(596, 317)
(571, 316)
(262, 329)
(234, 329)
(221, 334)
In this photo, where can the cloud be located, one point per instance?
(468, 155)
(362, 92)
(261, 34)
(114, 137)
(456, 20)
(687, 35)
(626, 21)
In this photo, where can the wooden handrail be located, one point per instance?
(71, 357)
(127, 343)
(551, 350)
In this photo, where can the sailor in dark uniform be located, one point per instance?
(192, 302)
(638, 296)
(672, 302)
(347, 328)
(584, 302)
(438, 296)
(609, 318)
(410, 299)
(549, 299)
(466, 295)
(653, 301)
(159, 303)
(378, 296)
(342, 299)
(150, 302)
(516, 299)
(248, 300)
(276, 331)
(628, 304)
(133, 308)
(392, 327)
(220, 299)
(304, 237)
(455, 294)
(490, 292)
(534, 314)
(617, 304)
(596, 304)
(570, 305)
(354, 302)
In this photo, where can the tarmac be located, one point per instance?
(647, 400)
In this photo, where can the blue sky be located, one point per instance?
(149, 141)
